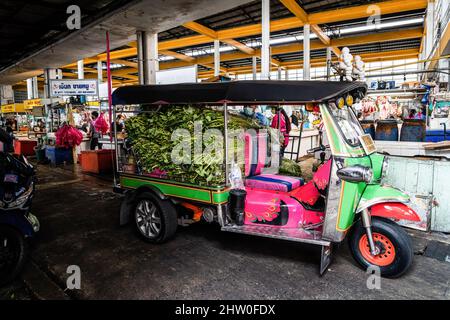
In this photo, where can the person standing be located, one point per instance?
(93, 133)
(282, 122)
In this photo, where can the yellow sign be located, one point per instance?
(13, 108)
(29, 104)
(93, 103)
(8, 108)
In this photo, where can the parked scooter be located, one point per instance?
(17, 224)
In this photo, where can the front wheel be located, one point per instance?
(13, 254)
(391, 241)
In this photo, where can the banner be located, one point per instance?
(29, 104)
(78, 87)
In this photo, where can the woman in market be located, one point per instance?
(282, 122)
(93, 133)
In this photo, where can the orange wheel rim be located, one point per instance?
(387, 254)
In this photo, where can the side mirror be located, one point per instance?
(356, 173)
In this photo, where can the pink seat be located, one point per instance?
(274, 182)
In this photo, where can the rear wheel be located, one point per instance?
(155, 219)
(13, 254)
(393, 245)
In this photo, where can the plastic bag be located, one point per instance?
(235, 177)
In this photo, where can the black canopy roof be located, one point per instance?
(237, 92)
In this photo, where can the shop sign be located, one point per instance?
(29, 104)
(80, 87)
(8, 108)
(93, 103)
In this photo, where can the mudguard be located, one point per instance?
(394, 210)
(375, 194)
(17, 219)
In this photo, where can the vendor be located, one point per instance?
(93, 133)
(119, 123)
(281, 121)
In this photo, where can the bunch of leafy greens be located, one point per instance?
(290, 168)
(151, 136)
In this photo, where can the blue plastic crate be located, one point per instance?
(436, 135)
(58, 155)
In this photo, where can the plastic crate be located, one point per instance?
(25, 147)
(58, 155)
(97, 161)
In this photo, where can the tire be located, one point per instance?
(391, 239)
(161, 215)
(13, 254)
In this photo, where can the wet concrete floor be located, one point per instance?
(79, 226)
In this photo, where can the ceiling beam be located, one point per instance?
(320, 62)
(197, 27)
(177, 55)
(300, 13)
(125, 63)
(315, 45)
(329, 16)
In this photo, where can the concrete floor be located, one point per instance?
(79, 226)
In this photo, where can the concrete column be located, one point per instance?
(140, 56)
(265, 48)
(80, 67)
(429, 21)
(100, 71)
(148, 65)
(279, 73)
(448, 76)
(254, 67)
(306, 52)
(286, 74)
(29, 88)
(6, 94)
(32, 88)
(46, 83)
(328, 63)
(151, 55)
(216, 58)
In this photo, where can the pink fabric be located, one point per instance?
(306, 194)
(248, 151)
(262, 152)
(264, 205)
(283, 128)
(273, 185)
(309, 193)
(322, 176)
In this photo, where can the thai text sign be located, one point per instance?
(81, 87)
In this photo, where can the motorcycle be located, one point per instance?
(17, 223)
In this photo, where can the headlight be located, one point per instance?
(356, 173)
(340, 102)
(349, 100)
(384, 167)
(33, 221)
(20, 201)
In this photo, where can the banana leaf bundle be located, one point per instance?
(153, 144)
(290, 168)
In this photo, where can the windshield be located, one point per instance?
(347, 123)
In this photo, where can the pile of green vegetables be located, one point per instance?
(290, 168)
(151, 136)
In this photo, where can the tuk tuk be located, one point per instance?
(346, 197)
